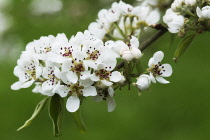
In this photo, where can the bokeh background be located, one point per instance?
(177, 111)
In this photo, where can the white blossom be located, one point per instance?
(204, 12)
(158, 70)
(174, 21)
(123, 20)
(28, 71)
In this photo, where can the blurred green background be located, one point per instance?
(177, 111)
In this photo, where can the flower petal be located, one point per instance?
(111, 104)
(158, 57)
(167, 70)
(98, 98)
(161, 80)
(27, 84)
(89, 91)
(17, 85)
(111, 91)
(152, 78)
(72, 103)
(72, 77)
(134, 42)
(115, 76)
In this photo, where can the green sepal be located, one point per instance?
(184, 44)
(79, 121)
(55, 113)
(40, 106)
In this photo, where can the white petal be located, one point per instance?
(89, 91)
(98, 98)
(47, 92)
(85, 75)
(158, 57)
(67, 65)
(134, 42)
(167, 70)
(110, 103)
(72, 103)
(57, 72)
(79, 55)
(115, 76)
(17, 85)
(37, 88)
(153, 17)
(111, 91)
(198, 11)
(136, 53)
(61, 90)
(27, 84)
(152, 78)
(94, 77)
(47, 85)
(86, 83)
(38, 71)
(161, 80)
(106, 83)
(151, 61)
(72, 77)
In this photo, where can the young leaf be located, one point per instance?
(185, 43)
(78, 120)
(55, 113)
(40, 106)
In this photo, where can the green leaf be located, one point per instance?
(78, 120)
(185, 43)
(55, 113)
(40, 106)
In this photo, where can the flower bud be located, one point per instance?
(136, 53)
(143, 82)
(127, 55)
(204, 12)
(190, 2)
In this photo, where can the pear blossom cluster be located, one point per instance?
(123, 20)
(86, 64)
(185, 15)
(77, 68)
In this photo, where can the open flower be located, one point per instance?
(158, 70)
(107, 95)
(28, 71)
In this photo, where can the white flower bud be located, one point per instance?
(136, 53)
(190, 2)
(204, 12)
(143, 82)
(127, 55)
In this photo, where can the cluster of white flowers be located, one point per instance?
(187, 15)
(80, 67)
(123, 20)
(84, 65)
